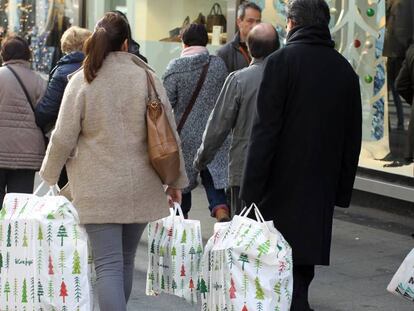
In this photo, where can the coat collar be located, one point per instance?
(313, 34)
(18, 62)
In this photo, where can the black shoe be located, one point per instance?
(389, 157)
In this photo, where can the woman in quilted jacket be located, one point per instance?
(22, 145)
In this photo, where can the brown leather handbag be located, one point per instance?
(162, 146)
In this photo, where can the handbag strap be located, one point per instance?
(22, 86)
(193, 97)
(216, 9)
(151, 86)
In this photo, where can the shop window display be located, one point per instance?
(358, 28)
(42, 23)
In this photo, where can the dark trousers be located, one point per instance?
(302, 278)
(409, 147)
(215, 197)
(21, 181)
(237, 204)
(394, 65)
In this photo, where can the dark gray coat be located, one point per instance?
(400, 28)
(233, 113)
(305, 142)
(180, 80)
(232, 56)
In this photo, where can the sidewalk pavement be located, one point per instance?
(364, 259)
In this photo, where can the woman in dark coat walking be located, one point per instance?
(180, 81)
(305, 142)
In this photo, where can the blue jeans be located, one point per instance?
(216, 197)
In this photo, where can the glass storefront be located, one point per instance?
(42, 23)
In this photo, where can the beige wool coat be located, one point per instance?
(22, 145)
(101, 136)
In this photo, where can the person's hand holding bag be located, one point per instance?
(173, 195)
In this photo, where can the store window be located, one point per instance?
(156, 24)
(42, 23)
(358, 28)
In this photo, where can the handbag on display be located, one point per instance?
(162, 146)
(216, 18)
(175, 34)
(201, 19)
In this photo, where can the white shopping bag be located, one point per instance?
(402, 284)
(247, 265)
(43, 255)
(175, 250)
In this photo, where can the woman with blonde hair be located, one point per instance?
(101, 136)
(47, 110)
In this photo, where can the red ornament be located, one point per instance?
(357, 43)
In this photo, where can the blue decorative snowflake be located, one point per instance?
(379, 43)
(261, 3)
(378, 120)
(379, 79)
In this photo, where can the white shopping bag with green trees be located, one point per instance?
(44, 257)
(175, 249)
(402, 283)
(247, 266)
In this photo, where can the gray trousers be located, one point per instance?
(114, 247)
(237, 204)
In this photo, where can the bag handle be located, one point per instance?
(193, 97)
(259, 217)
(216, 9)
(26, 93)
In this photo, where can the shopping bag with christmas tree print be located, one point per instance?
(402, 284)
(43, 255)
(247, 265)
(175, 250)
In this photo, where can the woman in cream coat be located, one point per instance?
(101, 137)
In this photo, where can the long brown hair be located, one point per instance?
(109, 35)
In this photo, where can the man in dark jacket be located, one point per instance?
(398, 37)
(305, 142)
(234, 110)
(405, 86)
(235, 53)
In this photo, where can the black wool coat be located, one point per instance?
(305, 142)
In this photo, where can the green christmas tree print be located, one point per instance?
(7, 290)
(9, 235)
(258, 265)
(245, 286)
(162, 252)
(162, 282)
(75, 234)
(184, 237)
(16, 233)
(259, 294)
(40, 291)
(39, 261)
(50, 216)
(7, 260)
(263, 248)
(173, 252)
(192, 252)
(78, 290)
(32, 289)
(243, 259)
(62, 234)
(3, 212)
(51, 291)
(152, 249)
(25, 242)
(24, 292)
(49, 236)
(203, 288)
(151, 279)
(15, 290)
(1, 232)
(1, 261)
(40, 235)
(62, 260)
(76, 263)
(278, 290)
(174, 286)
(230, 259)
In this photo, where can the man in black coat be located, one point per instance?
(305, 142)
(405, 86)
